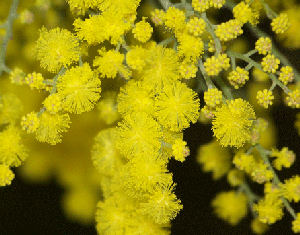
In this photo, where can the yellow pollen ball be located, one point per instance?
(142, 31)
(232, 123)
(270, 63)
(263, 45)
(280, 24)
(265, 98)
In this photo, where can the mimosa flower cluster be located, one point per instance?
(143, 76)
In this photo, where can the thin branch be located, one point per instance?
(212, 33)
(259, 33)
(207, 79)
(251, 62)
(8, 26)
(165, 4)
(283, 59)
(264, 155)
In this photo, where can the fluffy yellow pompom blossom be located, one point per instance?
(229, 30)
(189, 47)
(269, 210)
(110, 63)
(56, 48)
(162, 205)
(17, 76)
(99, 28)
(230, 206)
(291, 188)
(142, 31)
(265, 98)
(143, 174)
(293, 98)
(161, 67)
(213, 97)
(180, 150)
(174, 19)
(176, 106)
(232, 123)
(6, 175)
(215, 159)
(136, 96)
(238, 77)
(79, 89)
(243, 12)
(12, 151)
(138, 134)
(263, 45)
(270, 63)
(296, 224)
(201, 5)
(283, 158)
(215, 64)
(286, 75)
(196, 26)
(51, 127)
(30, 122)
(53, 103)
(281, 23)
(258, 227)
(10, 108)
(105, 156)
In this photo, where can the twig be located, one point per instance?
(165, 4)
(8, 25)
(259, 33)
(264, 155)
(212, 33)
(252, 63)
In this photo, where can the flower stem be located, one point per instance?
(264, 154)
(212, 33)
(8, 25)
(207, 79)
(283, 59)
(165, 4)
(252, 63)
(259, 33)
